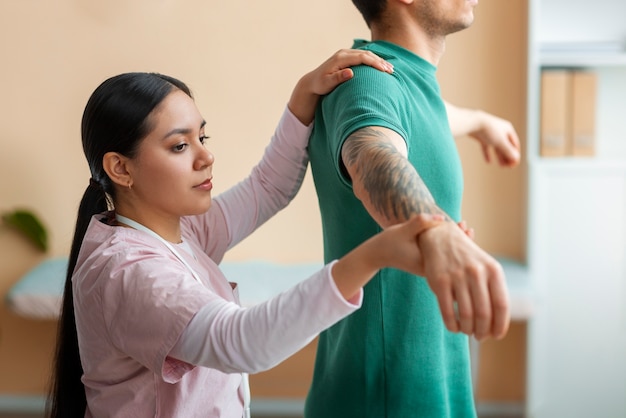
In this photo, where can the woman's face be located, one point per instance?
(172, 171)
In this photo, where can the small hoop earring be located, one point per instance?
(130, 185)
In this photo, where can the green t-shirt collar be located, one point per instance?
(385, 47)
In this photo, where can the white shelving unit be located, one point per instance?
(578, 59)
(577, 224)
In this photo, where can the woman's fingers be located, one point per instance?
(350, 57)
(336, 69)
(424, 221)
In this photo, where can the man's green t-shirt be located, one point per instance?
(393, 357)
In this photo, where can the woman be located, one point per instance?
(150, 326)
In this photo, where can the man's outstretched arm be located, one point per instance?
(458, 271)
(494, 134)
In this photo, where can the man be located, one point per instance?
(382, 150)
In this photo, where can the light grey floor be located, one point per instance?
(264, 413)
(253, 416)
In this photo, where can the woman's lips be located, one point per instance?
(205, 185)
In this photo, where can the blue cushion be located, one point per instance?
(39, 292)
(259, 280)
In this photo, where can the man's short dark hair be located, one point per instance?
(370, 9)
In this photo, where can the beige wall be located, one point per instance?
(485, 67)
(241, 60)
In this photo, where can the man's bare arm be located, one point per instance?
(469, 284)
(383, 179)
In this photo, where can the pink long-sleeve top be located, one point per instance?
(154, 342)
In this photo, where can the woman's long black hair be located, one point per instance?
(116, 119)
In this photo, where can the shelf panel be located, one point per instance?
(578, 163)
(582, 60)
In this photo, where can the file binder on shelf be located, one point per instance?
(583, 113)
(555, 99)
(568, 113)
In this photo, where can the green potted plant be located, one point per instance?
(27, 223)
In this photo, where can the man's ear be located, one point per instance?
(116, 167)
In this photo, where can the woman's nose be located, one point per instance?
(204, 158)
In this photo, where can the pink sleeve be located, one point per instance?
(234, 339)
(147, 303)
(271, 185)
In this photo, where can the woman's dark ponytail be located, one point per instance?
(67, 393)
(115, 119)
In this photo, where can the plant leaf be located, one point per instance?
(27, 222)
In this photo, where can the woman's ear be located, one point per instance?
(116, 167)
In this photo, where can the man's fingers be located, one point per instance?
(500, 308)
(465, 310)
(486, 153)
(479, 305)
(448, 311)
(483, 314)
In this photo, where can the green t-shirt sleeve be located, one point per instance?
(368, 99)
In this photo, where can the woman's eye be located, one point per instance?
(203, 138)
(179, 147)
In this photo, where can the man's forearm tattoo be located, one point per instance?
(394, 187)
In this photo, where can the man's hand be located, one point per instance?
(497, 135)
(494, 134)
(469, 284)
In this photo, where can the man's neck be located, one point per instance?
(415, 40)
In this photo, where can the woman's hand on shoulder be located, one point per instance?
(322, 80)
